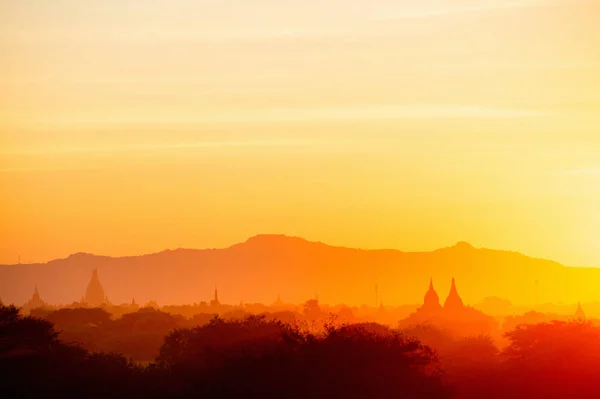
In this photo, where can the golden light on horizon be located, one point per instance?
(130, 128)
(292, 198)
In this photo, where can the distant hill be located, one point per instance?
(267, 265)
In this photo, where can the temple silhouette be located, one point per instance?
(278, 302)
(453, 301)
(94, 294)
(215, 301)
(35, 302)
(579, 313)
(454, 315)
(431, 303)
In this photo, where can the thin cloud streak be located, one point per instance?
(135, 147)
(281, 115)
(436, 10)
(595, 171)
(372, 112)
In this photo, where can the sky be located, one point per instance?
(128, 127)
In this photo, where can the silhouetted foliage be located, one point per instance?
(284, 316)
(138, 335)
(202, 318)
(554, 360)
(258, 356)
(312, 310)
(233, 358)
(34, 363)
(78, 317)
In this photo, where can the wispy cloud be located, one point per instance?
(45, 168)
(593, 171)
(159, 146)
(429, 9)
(229, 116)
(371, 112)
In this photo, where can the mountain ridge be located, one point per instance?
(257, 238)
(265, 265)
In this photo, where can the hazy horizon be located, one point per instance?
(202, 248)
(127, 128)
(300, 199)
(264, 266)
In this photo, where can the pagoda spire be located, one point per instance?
(94, 293)
(453, 301)
(278, 301)
(431, 302)
(579, 313)
(215, 301)
(35, 301)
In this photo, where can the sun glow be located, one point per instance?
(410, 125)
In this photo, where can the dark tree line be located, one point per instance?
(258, 357)
(254, 357)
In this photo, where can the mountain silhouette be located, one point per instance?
(265, 265)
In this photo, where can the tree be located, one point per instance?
(312, 310)
(34, 363)
(564, 355)
(78, 317)
(259, 358)
(24, 335)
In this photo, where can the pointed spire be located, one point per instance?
(94, 293)
(35, 301)
(453, 301)
(215, 301)
(36, 294)
(431, 301)
(579, 313)
(278, 301)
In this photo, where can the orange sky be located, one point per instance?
(130, 127)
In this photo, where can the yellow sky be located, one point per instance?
(127, 127)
